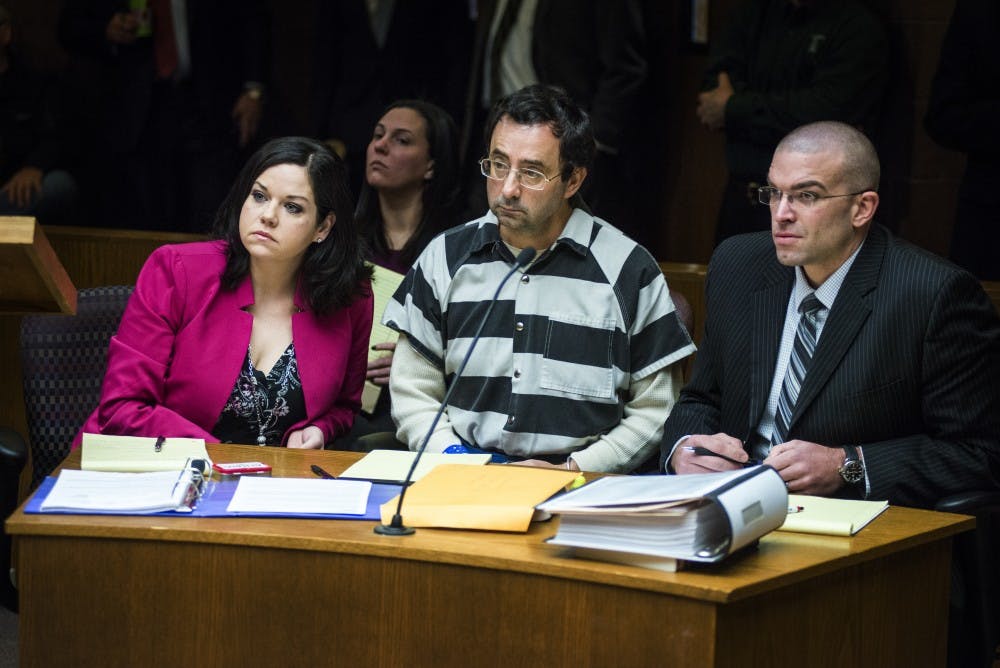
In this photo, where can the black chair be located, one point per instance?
(13, 457)
(63, 360)
(974, 617)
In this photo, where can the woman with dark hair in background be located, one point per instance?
(258, 337)
(409, 195)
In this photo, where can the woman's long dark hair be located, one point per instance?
(333, 272)
(440, 194)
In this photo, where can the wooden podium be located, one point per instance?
(32, 280)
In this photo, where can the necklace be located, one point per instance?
(257, 399)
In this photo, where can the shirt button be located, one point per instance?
(517, 373)
(525, 279)
(519, 326)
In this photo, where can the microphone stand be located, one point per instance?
(396, 526)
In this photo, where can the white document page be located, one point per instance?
(114, 491)
(393, 465)
(300, 495)
(644, 489)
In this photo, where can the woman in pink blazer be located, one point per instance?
(259, 337)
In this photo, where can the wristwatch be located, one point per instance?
(853, 470)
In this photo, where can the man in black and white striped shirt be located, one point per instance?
(578, 363)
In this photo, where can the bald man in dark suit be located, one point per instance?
(898, 398)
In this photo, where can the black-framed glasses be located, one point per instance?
(527, 177)
(805, 198)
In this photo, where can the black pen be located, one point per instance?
(321, 473)
(699, 450)
(159, 443)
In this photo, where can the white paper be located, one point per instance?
(113, 491)
(300, 496)
(393, 465)
(641, 490)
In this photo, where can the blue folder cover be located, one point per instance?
(214, 501)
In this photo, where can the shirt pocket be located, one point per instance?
(578, 356)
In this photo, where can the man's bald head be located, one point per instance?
(860, 169)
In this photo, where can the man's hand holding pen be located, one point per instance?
(703, 453)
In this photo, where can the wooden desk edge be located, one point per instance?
(737, 578)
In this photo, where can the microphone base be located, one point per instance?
(393, 530)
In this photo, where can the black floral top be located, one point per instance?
(274, 400)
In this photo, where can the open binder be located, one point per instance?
(659, 521)
(131, 493)
(213, 501)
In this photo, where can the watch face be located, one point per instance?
(852, 471)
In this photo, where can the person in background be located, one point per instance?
(178, 99)
(409, 195)
(33, 141)
(780, 64)
(260, 336)
(962, 114)
(369, 53)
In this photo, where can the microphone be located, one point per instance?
(396, 527)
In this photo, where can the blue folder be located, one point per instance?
(214, 501)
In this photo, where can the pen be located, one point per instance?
(698, 450)
(321, 473)
(795, 509)
(159, 443)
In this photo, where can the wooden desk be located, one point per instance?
(134, 591)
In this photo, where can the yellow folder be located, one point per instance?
(498, 497)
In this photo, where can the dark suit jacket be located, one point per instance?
(229, 47)
(594, 50)
(425, 55)
(907, 366)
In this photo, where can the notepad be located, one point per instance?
(391, 466)
(835, 517)
(138, 453)
(384, 284)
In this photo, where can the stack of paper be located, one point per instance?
(654, 521)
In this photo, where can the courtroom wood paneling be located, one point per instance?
(96, 256)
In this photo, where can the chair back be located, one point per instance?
(63, 358)
(974, 615)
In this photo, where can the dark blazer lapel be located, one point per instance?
(767, 320)
(850, 311)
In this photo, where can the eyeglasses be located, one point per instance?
(529, 178)
(772, 196)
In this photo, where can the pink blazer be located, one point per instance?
(183, 339)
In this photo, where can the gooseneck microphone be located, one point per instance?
(396, 527)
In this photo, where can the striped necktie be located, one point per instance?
(798, 365)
